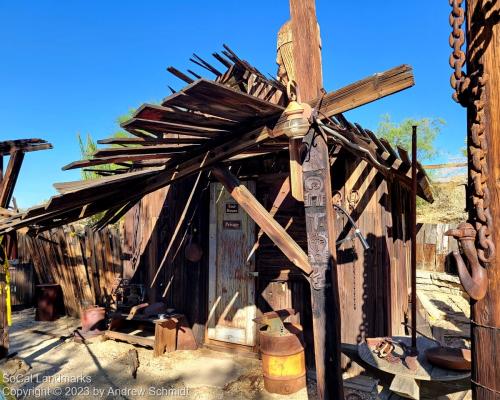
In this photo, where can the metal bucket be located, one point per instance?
(93, 318)
(283, 360)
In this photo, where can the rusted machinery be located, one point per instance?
(282, 348)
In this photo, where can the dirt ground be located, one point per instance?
(50, 365)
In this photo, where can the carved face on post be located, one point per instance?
(284, 56)
(314, 194)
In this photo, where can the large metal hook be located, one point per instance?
(475, 284)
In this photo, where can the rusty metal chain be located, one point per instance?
(459, 81)
(478, 173)
(470, 92)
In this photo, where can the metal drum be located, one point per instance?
(49, 302)
(283, 358)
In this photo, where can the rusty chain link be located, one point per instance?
(478, 172)
(470, 92)
(458, 80)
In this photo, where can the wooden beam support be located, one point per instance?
(114, 160)
(141, 150)
(151, 142)
(318, 206)
(1, 173)
(10, 178)
(25, 145)
(263, 219)
(366, 90)
(296, 177)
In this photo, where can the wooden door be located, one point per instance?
(231, 275)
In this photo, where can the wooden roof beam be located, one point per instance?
(26, 145)
(366, 90)
(129, 151)
(114, 160)
(151, 142)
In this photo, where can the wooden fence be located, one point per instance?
(85, 264)
(434, 248)
(22, 284)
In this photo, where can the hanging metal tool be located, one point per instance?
(357, 231)
(475, 284)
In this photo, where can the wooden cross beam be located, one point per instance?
(263, 218)
(366, 90)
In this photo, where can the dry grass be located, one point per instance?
(448, 206)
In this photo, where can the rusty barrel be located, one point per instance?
(283, 360)
(49, 302)
(93, 318)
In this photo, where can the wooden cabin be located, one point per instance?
(243, 274)
(172, 205)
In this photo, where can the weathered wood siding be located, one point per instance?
(22, 285)
(86, 265)
(147, 231)
(373, 284)
(434, 248)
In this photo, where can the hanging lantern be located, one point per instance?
(296, 124)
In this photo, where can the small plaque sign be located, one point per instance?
(231, 224)
(232, 208)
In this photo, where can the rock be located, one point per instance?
(14, 366)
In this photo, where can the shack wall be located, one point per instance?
(373, 283)
(148, 231)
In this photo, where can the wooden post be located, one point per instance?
(10, 178)
(7, 183)
(483, 57)
(318, 206)
(413, 237)
(4, 335)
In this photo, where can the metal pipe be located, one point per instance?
(349, 144)
(413, 237)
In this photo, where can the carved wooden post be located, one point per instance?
(483, 114)
(319, 212)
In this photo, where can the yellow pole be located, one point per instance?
(5, 268)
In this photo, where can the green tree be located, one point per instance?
(89, 146)
(399, 134)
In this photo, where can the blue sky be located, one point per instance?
(71, 67)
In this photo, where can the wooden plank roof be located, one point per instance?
(25, 145)
(206, 123)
